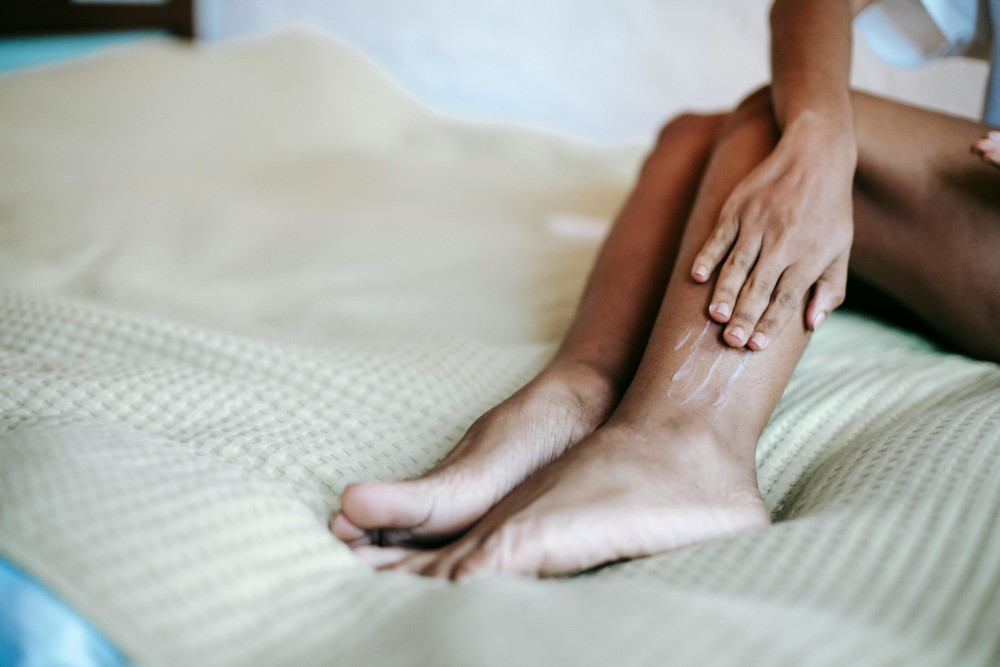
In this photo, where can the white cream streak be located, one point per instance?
(732, 379)
(684, 377)
(707, 379)
(689, 361)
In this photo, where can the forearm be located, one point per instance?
(810, 68)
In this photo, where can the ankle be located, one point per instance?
(686, 432)
(583, 388)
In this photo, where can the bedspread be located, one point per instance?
(235, 279)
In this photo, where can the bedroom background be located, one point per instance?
(600, 70)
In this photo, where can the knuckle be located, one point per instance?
(730, 210)
(741, 261)
(754, 213)
(758, 287)
(786, 298)
(725, 294)
(743, 317)
(767, 323)
(725, 230)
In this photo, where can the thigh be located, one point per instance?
(927, 220)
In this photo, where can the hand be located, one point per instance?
(785, 228)
(988, 148)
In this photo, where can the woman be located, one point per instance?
(639, 436)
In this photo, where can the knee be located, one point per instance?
(756, 103)
(698, 132)
(686, 132)
(683, 125)
(756, 110)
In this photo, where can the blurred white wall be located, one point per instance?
(604, 70)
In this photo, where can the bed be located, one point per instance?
(305, 278)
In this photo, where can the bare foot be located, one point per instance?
(988, 148)
(503, 447)
(624, 492)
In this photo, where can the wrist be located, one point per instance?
(828, 133)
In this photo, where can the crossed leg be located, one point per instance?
(674, 462)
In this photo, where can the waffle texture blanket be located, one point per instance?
(235, 279)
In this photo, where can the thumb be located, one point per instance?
(828, 293)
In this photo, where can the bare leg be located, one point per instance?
(927, 220)
(578, 389)
(675, 462)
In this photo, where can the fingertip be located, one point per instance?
(700, 273)
(734, 337)
(720, 312)
(817, 320)
(757, 342)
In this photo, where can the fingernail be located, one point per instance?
(722, 310)
(994, 136)
(735, 334)
(700, 273)
(758, 340)
(818, 320)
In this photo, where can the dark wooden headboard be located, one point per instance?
(45, 17)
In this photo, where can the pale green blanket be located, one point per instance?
(236, 279)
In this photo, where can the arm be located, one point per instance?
(810, 62)
(787, 227)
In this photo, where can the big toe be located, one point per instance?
(373, 506)
(418, 512)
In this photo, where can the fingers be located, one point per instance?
(988, 148)
(829, 293)
(716, 247)
(754, 297)
(732, 277)
(787, 302)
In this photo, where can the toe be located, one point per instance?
(425, 512)
(443, 562)
(382, 558)
(478, 563)
(378, 505)
(414, 563)
(345, 530)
